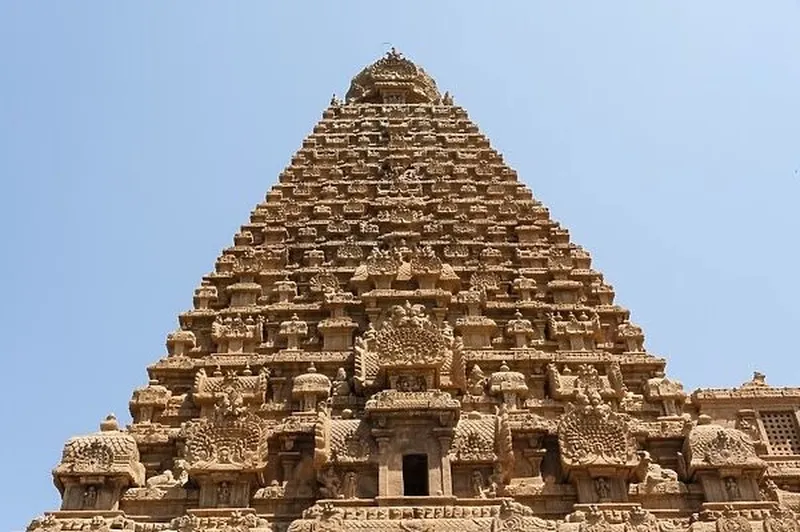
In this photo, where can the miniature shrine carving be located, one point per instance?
(401, 338)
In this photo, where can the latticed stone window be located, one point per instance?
(782, 432)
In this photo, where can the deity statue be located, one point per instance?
(732, 489)
(476, 382)
(478, 489)
(330, 485)
(341, 384)
(350, 487)
(223, 493)
(275, 490)
(602, 488)
(90, 497)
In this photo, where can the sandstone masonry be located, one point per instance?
(402, 339)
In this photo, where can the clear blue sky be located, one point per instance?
(137, 136)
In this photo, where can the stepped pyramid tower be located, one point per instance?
(402, 339)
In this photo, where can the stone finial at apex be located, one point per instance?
(109, 423)
(394, 54)
(759, 380)
(393, 79)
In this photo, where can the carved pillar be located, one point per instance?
(278, 388)
(534, 458)
(289, 461)
(445, 437)
(383, 437)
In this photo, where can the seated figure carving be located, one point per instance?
(167, 479)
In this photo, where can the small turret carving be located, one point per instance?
(310, 388)
(237, 334)
(575, 333)
(293, 330)
(286, 290)
(520, 330)
(509, 385)
(180, 342)
(96, 469)
(476, 329)
(724, 461)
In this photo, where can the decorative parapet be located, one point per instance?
(413, 404)
(105, 522)
(506, 515)
(208, 390)
(240, 520)
(575, 333)
(756, 389)
(237, 334)
(566, 384)
(500, 515)
(149, 402)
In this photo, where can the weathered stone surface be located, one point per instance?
(401, 338)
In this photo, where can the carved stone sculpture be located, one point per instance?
(509, 385)
(170, 479)
(724, 461)
(95, 469)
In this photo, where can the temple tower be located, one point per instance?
(402, 338)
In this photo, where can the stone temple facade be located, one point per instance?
(402, 339)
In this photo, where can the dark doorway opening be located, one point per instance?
(415, 475)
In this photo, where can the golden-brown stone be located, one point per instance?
(402, 339)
